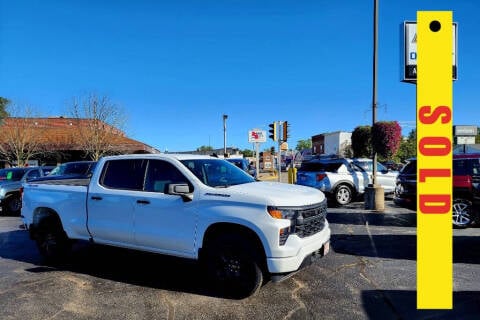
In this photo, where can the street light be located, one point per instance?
(225, 134)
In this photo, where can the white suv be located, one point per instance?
(343, 178)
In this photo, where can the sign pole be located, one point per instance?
(257, 159)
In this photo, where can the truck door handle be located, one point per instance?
(96, 198)
(143, 202)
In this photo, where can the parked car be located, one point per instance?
(343, 179)
(71, 170)
(465, 191)
(385, 177)
(11, 180)
(244, 164)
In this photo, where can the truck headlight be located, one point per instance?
(283, 213)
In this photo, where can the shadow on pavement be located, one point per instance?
(116, 264)
(465, 248)
(374, 219)
(397, 304)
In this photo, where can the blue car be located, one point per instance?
(243, 164)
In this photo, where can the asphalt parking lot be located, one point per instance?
(369, 274)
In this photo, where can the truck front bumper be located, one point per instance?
(309, 252)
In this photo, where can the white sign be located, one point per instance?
(465, 140)
(410, 45)
(257, 136)
(465, 130)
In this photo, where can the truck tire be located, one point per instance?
(462, 215)
(52, 242)
(233, 265)
(13, 204)
(343, 195)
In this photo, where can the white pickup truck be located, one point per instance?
(190, 206)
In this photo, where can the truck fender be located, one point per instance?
(215, 230)
(43, 217)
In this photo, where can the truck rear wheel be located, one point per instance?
(233, 265)
(53, 243)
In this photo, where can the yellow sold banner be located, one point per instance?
(434, 160)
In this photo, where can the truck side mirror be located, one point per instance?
(181, 189)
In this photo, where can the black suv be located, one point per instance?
(466, 188)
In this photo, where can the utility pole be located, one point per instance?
(374, 194)
(374, 93)
(225, 134)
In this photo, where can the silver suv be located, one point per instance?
(343, 179)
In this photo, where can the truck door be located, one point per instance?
(164, 223)
(111, 203)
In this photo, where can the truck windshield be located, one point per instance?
(217, 172)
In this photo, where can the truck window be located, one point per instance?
(160, 174)
(128, 174)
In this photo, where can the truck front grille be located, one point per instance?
(310, 220)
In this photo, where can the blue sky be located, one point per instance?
(175, 67)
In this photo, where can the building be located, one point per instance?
(56, 140)
(338, 143)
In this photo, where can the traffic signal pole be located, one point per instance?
(279, 132)
(279, 152)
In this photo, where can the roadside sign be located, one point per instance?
(257, 136)
(410, 52)
(465, 131)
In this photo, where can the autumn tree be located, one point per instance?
(386, 136)
(361, 142)
(21, 135)
(100, 123)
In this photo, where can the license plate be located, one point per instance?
(326, 248)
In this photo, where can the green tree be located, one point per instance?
(408, 147)
(361, 141)
(204, 148)
(3, 108)
(304, 144)
(247, 153)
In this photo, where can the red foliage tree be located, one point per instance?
(386, 137)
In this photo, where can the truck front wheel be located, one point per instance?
(233, 266)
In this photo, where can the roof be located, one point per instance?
(61, 133)
(177, 156)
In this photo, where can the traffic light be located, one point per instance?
(273, 131)
(272, 150)
(286, 131)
